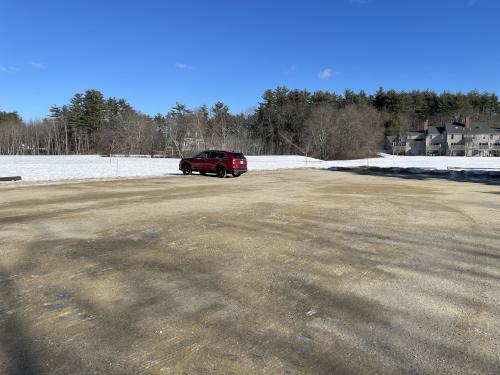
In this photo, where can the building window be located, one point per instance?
(452, 136)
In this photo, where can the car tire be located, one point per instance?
(186, 169)
(220, 171)
(203, 173)
(236, 174)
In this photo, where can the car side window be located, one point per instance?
(216, 155)
(202, 155)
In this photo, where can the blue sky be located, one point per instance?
(154, 53)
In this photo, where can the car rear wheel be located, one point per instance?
(186, 169)
(220, 171)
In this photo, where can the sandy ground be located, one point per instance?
(283, 272)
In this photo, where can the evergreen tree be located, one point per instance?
(10, 117)
(94, 110)
(75, 113)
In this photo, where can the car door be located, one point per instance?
(211, 161)
(222, 159)
(200, 161)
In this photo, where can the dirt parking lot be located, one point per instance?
(284, 272)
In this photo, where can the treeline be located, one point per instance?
(407, 110)
(320, 124)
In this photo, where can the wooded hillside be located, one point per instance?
(323, 124)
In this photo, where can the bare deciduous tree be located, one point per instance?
(350, 132)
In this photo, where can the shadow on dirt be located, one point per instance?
(14, 341)
(480, 177)
(149, 298)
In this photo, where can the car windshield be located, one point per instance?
(238, 155)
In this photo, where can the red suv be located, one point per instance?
(218, 162)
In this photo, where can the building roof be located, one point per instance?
(416, 135)
(396, 138)
(480, 128)
(435, 130)
(455, 128)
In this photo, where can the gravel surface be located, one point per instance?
(278, 272)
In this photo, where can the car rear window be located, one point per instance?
(238, 155)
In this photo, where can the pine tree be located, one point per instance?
(94, 108)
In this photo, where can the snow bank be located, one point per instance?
(53, 168)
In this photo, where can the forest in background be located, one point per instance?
(321, 124)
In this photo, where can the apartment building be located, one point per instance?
(454, 139)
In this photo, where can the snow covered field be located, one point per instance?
(53, 168)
